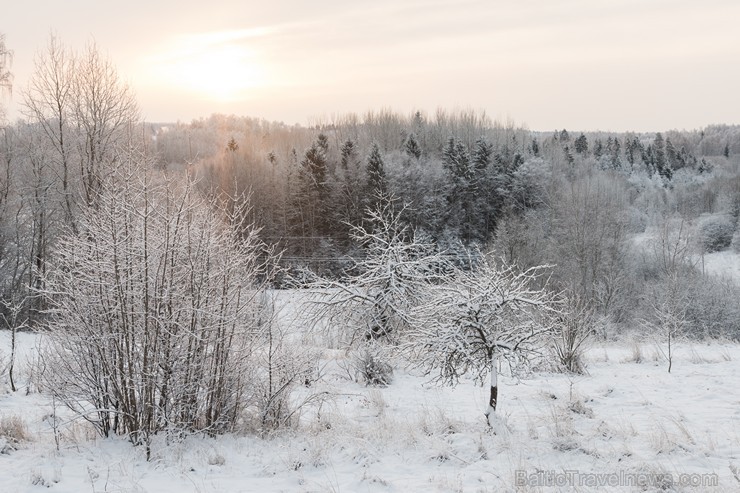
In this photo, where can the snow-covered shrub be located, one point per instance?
(574, 329)
(636, 220)
(713, 310)
(281, 366)
(715, 232)
(154, 308)
(736, 241)
(13, 430)
(370, 366)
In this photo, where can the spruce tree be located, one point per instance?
(598, 148)
(535, 147)
(411, 146)
(581, 144)
(457, 161)
(482, 154)
(661, 163)
(350, 187)
(376, 182)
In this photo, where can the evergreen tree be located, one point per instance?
(348, 151)
(598, 148)
(376, 182)
(482, 154)
(648, 157)
(568, 155)
(350, 187)
(633, 149)
(614, 151)
(581, 144)
(483, 191)
(315, 164)
(322, 141)
(460, 190)
(457, 161)
(661, 163)
(309, 217)
(672, 157)
(232, 146)
(411, 146)
(535, 147)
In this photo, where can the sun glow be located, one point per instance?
(219, 66)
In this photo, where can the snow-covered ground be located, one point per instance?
(725, 263)
(627, 421)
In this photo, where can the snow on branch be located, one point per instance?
(481, 311)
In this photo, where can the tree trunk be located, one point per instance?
(13, 330)
(494, 388)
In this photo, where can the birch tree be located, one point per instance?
(484, 315)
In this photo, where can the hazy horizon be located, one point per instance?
(630, 65)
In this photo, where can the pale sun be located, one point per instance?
(220, 72)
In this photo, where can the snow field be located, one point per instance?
(624, 417)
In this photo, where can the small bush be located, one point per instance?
(12, 432)
(715, 232)
(371, 367)
(736, 241)
(282, 368)
(636, 354)
(576, 327)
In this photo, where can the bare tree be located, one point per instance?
(48, 102)
(671, 249)
(84, 111)
(6, 78)
(588, 239)
(103, 108)
(669, 307)
(483, 314)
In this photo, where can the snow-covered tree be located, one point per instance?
(411, 146)
(483, 314)
(374, 300)
(350, 177)
(581, 144)
(376, 179)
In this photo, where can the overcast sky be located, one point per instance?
(644, 65)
